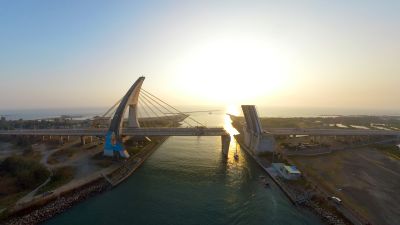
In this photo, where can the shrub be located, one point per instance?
(27, 172)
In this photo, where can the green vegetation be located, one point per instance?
(60, 177)
(133, 150)
(27, 172)
(102, 161)
(18, 176)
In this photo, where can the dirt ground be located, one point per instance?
(366, 179)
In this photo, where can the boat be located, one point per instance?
(236, 156)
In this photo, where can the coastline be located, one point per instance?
(324, 214)
(289, 195)
(44, 208)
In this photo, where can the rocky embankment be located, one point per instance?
(325, 215)
(59, 205)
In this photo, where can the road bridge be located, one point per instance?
(160, 131)
(162, 111)
(331, 132)
(262, 139)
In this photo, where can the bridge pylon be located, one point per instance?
(113, 142)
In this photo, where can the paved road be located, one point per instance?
(168, 131)
(331, 132)
(198, 131)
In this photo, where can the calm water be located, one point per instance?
(188, 181)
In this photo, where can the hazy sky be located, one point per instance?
(277, 53)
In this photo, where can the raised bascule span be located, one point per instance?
(261, 140)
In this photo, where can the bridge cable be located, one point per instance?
(113, 108)
(146, 103)
(146, 113)
(170, 117)
(142, 122)
(146, 92)
(170, 112)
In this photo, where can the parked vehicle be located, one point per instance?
(335, 199)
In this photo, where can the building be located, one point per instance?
(287, 172)
(3, 119)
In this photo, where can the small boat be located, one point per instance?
(236, 156)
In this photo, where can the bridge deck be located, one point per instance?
(331, 132)
(167, 131)
(197, 131)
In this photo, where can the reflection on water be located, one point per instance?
(228, 125)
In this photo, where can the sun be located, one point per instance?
(233, 71)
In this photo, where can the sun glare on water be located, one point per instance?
(231, 110)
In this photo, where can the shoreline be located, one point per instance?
(325, 215)
(290, 197)
(43, 209)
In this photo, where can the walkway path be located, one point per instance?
(46, 153)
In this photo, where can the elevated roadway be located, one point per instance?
(197, 131)
(167, 131)
(331, 132)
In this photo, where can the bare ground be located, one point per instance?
(366, 179)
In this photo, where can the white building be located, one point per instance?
(287, 172)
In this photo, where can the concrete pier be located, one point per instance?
(225, 143)
(83, 140)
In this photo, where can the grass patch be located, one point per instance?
(9, 200)
(18, 176)
(102, 161)
(28, 173)
(133, 150)
(60, 177)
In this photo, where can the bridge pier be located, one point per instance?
(83, 140)
(225, 143)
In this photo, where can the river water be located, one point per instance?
(188, 181)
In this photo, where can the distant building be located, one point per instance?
(287, 172)
(100, 121)
(3, 119)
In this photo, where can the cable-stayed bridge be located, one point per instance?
(147, 115)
